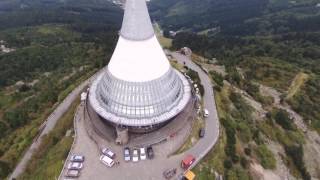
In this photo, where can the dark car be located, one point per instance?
(169, 173)
(201, 132)
(150, 152)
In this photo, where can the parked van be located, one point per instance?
(205, 113)
(106, 160)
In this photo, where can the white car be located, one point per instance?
(108, 152)
(77, 158)
(143, 155)
(75, 165)
(205, 113)
(106, 160)
(135, 155)
(72, 173)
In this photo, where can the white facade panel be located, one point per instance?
(138, 61)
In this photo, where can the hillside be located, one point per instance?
(240, 17)
(267, 100)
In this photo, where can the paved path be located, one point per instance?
(49, 124)
(204, 145)
(149, 169)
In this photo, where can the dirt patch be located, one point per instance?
(258, 172)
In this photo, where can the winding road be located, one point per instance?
(205, 144)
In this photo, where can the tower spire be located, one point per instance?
(136, 24)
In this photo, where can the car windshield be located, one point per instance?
(135, 152)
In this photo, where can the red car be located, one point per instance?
(187, 161)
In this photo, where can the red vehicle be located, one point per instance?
(187, 161)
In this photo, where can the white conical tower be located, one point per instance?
(139, 88)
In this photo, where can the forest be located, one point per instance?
(57, 45)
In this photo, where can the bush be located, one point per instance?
(227, 164)
(247, 151)
(266, 157)
(230, 147)
(16, 117)
(4, 169)
(296, 154)
(282, 118)
(217, 78)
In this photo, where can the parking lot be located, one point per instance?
(93, 168)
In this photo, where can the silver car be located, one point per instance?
(108, 152)
(75, 165)
(126, 154)
(72, 173)
(77, 158)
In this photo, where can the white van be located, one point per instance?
(106, 160)
(205, 113)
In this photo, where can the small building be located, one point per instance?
(83, 96)
(186, 51)
(189, 175)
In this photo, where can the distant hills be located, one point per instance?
(18, 13)
(237, 17)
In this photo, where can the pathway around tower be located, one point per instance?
(148, 169)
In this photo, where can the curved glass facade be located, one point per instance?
(140, 99)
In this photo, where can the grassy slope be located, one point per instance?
(49, 158)
(74, 53)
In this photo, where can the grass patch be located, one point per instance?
(265, 157)
(48, 160)
(165, 42)
(269, 71)
(296, 84)
(177, 65)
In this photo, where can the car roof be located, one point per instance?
(188, 159)
(73, 172)
(106, 159)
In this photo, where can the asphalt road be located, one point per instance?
(205, 144)
(49, 124)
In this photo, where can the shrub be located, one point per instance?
(282, 118)
(16, 117)
(218, 78)
(4, 169)
(296, 154)
(247, 151)
(266, 157)
(227, 163)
